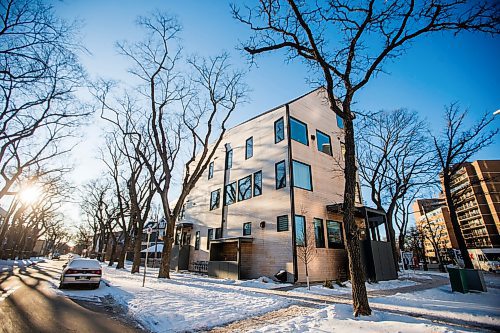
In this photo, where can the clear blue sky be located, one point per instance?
(435, 70)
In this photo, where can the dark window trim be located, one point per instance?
(278, 224)
(210, 237)
(211, 170)
(340, 120)
(329, 139)
(307, 130)
(310, 177)
(229, 161)
(235, 193)
(282, 128)
(305, 231)
(239, 180)
(218, 203)
(276, 174)
(335, 245)
(250, 139)
(245, 224)
(317, 219)
(197, 240)
(256, 195)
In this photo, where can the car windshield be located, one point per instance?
(493, 256)
(84, 263)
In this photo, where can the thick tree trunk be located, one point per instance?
(454, 220)
(167, 250)
(392, 238)
(121, 259)
(113, 253)
(359, 295)
(137, 252)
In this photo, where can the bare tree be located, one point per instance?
(364, 34)
(394, 158)
(456, 144)
(306, 249)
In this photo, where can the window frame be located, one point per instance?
(250, 229)
(218, 201)
(249, 144)
(291, 131)
(322, 244)
(282, 130)
(197, 240)
(304, 240)
(229, 159)
(340, 122)
(254, 183)
(310, 175)
(318, 133)
(276, 174)
(239, 192)
(278, 223)
(210, 236)
(211, 170)
(335, 245)
(235, 199)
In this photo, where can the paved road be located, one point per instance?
(28, 305)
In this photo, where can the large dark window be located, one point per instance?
(197, 241)
(214, 199)
(210, 236)
(229, 159)
(210, 170)
(319, 233)
(279, 130)
(257, 183)
(302, 175)
(230, 194)
(282, 223)
(340, 122)
(245, 188)
(280, 175)
(218, 233)
(249, 148)
(247, 229)
(324, 142)
(300, 230)
(334, 234)
(298, 131)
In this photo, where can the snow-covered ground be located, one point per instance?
(8, 265)
(190, 302)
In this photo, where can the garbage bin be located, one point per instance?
(458, 280)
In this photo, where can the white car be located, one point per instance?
(81, 271)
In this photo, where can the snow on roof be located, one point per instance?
(159, 248)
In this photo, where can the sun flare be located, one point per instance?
(30, 194)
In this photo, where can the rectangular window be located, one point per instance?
(282, 224)
(319, 233)
(334, 235)
(218, 233)
(257, 183)
(249, 148)
(245, 188)
(324, 142)
(340, 122)
(211, 170)
(210, 236)
(214, 199)
(230, 194)
(342, 150)
(279, 130)
(302, 175)
(229, 159)
(298, 131)
(247, 229)
(300, 230)
(197, 241)
(280, 175)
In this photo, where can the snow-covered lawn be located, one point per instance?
(347, 288)
(8, 265)
(186, 302)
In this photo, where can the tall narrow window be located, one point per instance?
(197, 241)
(210, 236)
(298, 131)
(300, 230)
(279, 130)
(257, 183)
(247, 229)
(302, 175)
(340, 122)
(229, 159)
(249, 148)
(282, 223)
(245, 188)
(319, 233)
(280, 174)
(334, 235)
(218, 233)
(214, 199)
(324, 142)
(230, 193)
(342, 149)
(211, 170)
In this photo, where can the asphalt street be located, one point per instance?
(27, 304)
